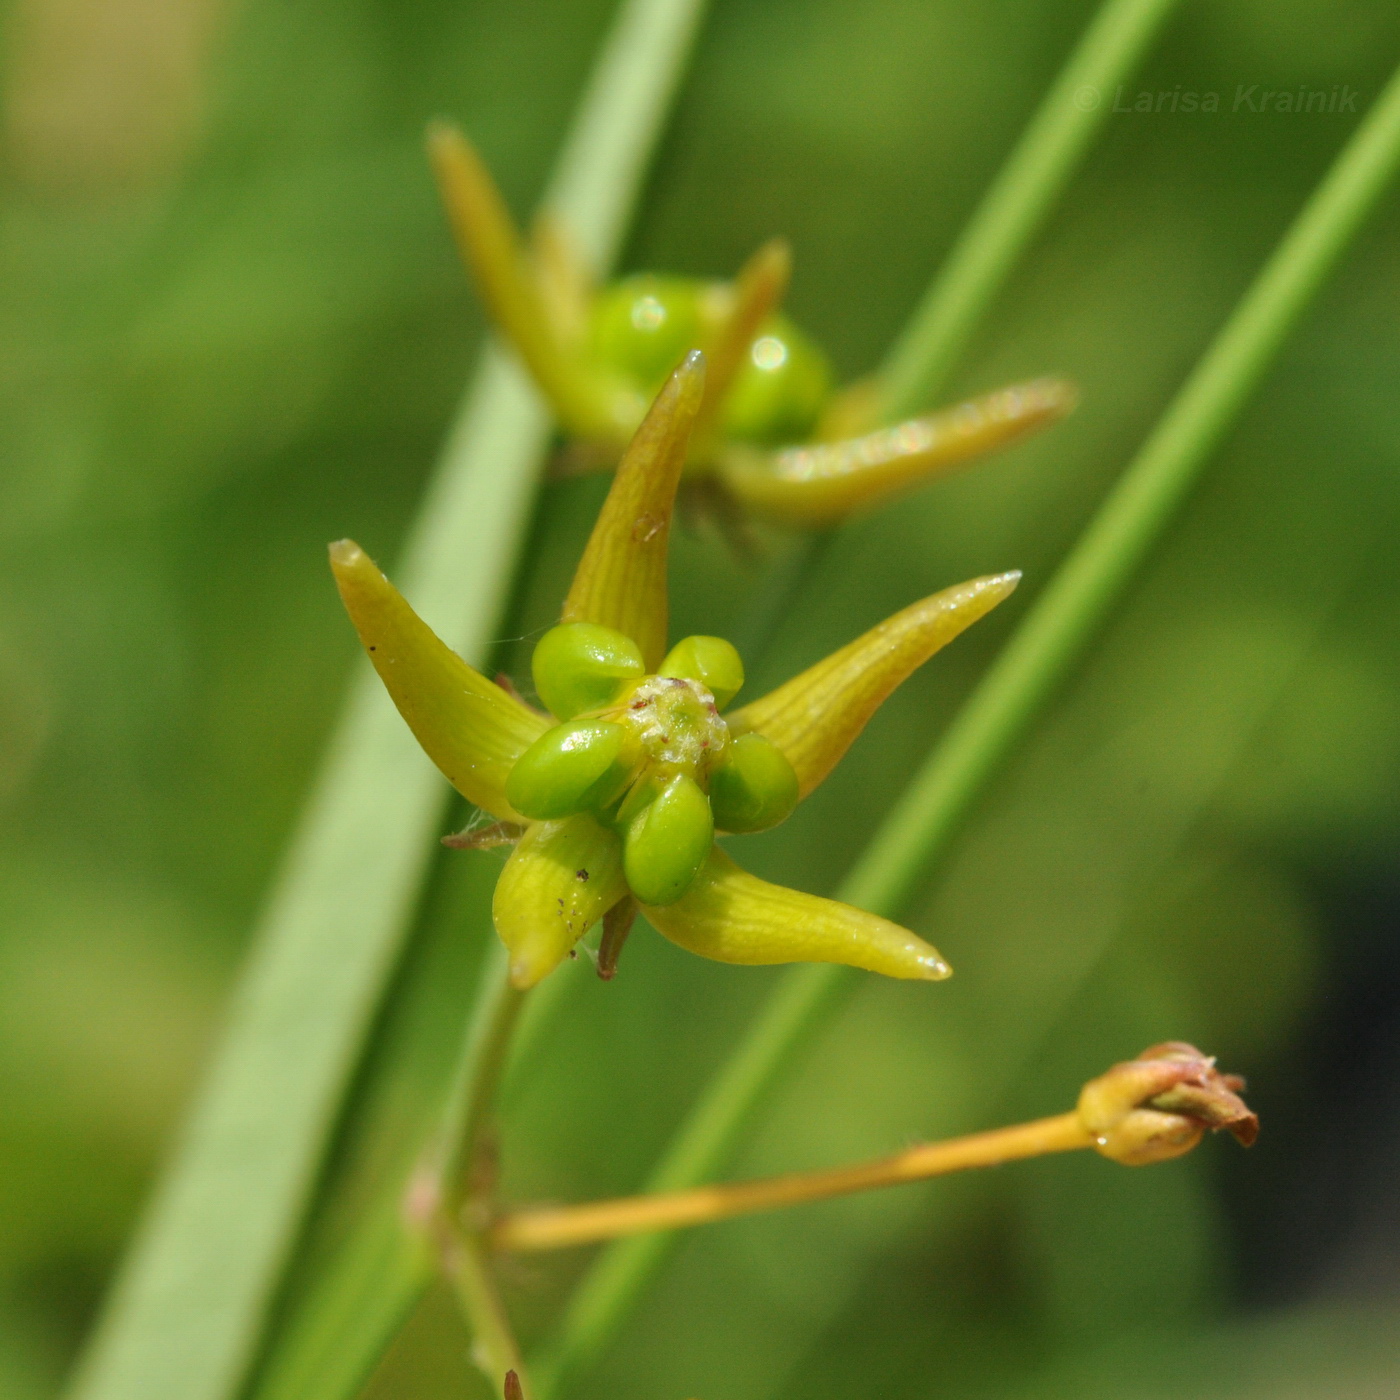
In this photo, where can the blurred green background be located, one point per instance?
(232, 328)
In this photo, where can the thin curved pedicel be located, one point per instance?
(543, 300)
(470, 727)
(820, 483)
(815, 717)
(621, 580)
(734, 917)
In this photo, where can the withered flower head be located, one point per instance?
(1160, 1105)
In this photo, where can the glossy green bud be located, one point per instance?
(754, 787)
(575, 767)
(710, 660)
(782, 387)
(643, 325)
(665, 844)
(581, 666)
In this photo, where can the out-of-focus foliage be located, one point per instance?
(232, 328)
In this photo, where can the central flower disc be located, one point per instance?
(677, 724)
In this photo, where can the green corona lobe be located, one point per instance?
(665, 844)
(643, 325)
(753, 787)
(575, 767)
(580, 666)
(780, 391)
(711, 661)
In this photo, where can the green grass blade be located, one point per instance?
(1009, 697)
(1014, 209)
(185, 1316)
(358, 1270)
(1024, 193)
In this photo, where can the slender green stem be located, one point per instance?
(1048, 642)
(1015, 208)
(189, 1309)
(467, 1177)
(485, 1052)
(1114, 545)
(542, 1010)
(494, 1348)
(1011, 213)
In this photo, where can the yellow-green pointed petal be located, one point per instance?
(735, 917)
(816, 716)
(491, 247)
(559, 881)
(565, 281)
(758, 289)
(823, 482)
(621, 580)
(473, 730)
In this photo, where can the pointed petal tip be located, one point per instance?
(775, 257)
(1057, 394)
(1035, 402)
(674, 408)
(345, 554)
(934, 968)
(438, 130)
(734, 917)
(526, 973)
(815, 717)
(694, 363)
(451, 155)
(446, 142)
(985, 593)
(688, 388)
(471, 728)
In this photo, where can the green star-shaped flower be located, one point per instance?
(615, 796)
(773, 435)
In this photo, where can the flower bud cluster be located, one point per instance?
(641, 326)
(649, 756)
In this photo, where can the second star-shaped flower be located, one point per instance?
(614, 798)
(774, 437)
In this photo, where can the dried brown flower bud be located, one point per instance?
(1160, 1105)
(513, 1388)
